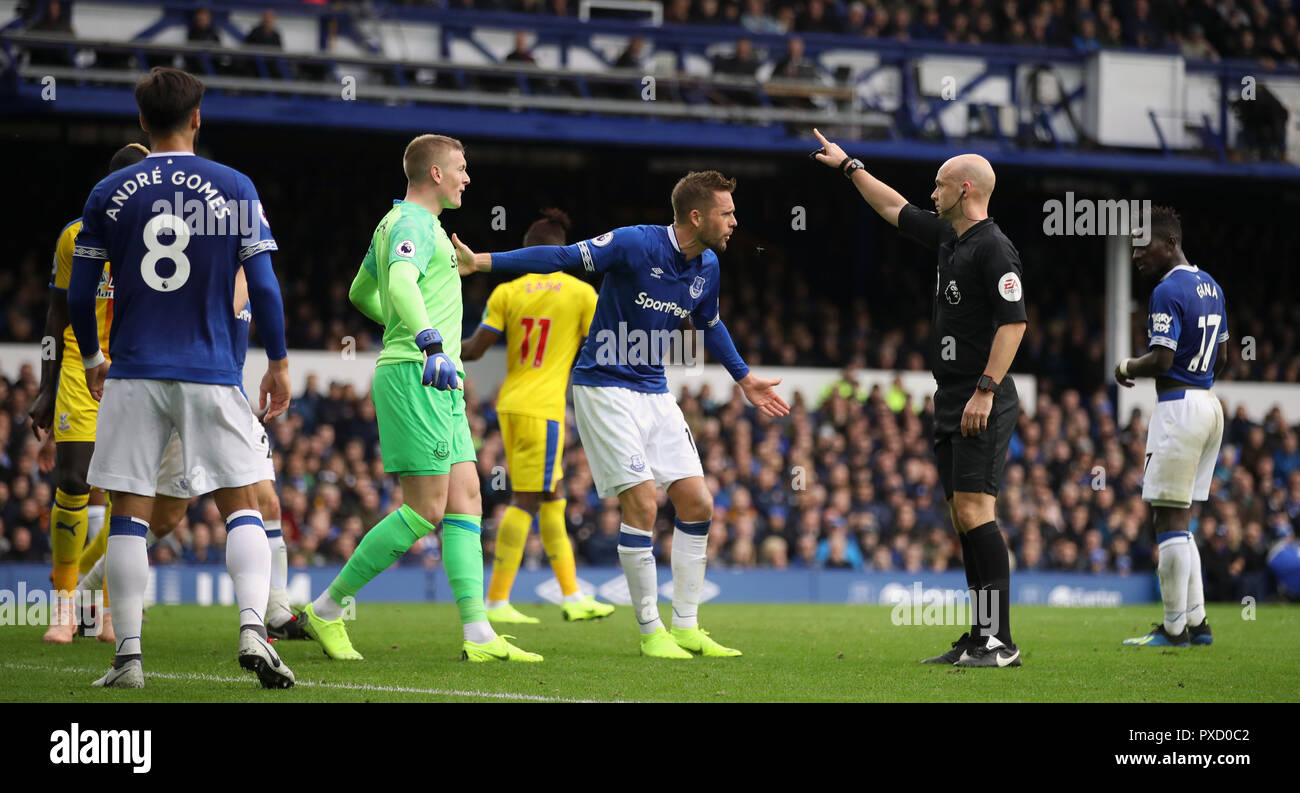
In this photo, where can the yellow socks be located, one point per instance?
(555, 539)
(68, 536)
(511, 536)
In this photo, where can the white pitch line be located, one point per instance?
(439, 692)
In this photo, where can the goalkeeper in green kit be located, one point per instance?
(409, 283)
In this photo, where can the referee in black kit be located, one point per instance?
(978, 322)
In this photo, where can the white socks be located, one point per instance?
(94, 577)
(1195, 587)
(128, 555)
(636, 554)
(248, 560)
(1173, 569)
(277, 607)
(325, 607)
(690, 544)
(478, 632)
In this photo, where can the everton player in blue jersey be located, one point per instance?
(632, 430)
(177, 227)
(1187, 330)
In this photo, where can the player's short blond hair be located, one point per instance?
(424, 152)
(696, 190)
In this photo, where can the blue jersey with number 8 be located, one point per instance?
(176, 227)
(1187, 315)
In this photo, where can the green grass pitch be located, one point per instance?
(792, 653)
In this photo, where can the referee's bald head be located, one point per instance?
(974, 169)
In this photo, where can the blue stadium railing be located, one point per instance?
(268, 92)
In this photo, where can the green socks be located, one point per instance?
(462, 555)
(384, 544)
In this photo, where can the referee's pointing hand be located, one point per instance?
(831, 154)
(975, 419)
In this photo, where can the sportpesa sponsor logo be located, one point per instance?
(643, 300)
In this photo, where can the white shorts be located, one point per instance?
(172, 479)
(1182, 448)
(137, 418)
(631, 437)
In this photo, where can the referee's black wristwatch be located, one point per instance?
(986, 383)
(848, 166)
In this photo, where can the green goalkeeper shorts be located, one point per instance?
(422, 431)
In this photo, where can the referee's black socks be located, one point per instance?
(972, 580)
(989, 552)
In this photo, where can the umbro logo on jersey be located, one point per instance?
(656, 272)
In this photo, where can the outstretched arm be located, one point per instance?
(598, 255)
(536, 259)
(884, 199)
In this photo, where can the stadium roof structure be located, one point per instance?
(400, 69)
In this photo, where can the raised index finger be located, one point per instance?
(820, 137)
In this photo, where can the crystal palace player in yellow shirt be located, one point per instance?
(65, 403)
(544, 319)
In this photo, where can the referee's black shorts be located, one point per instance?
(973, 464)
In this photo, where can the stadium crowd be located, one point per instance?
(1197, 28)
(847, 481)
(1213, 29)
